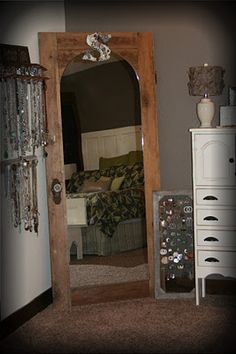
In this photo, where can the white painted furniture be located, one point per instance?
(214, 194)
(76, 218)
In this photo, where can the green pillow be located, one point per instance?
(116, 183)
(106, 162)
(135, 156)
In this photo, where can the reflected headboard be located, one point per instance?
(109, 143)
(69, 169)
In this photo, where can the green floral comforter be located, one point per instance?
(108, 208)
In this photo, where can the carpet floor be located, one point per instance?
(127, 259)
(118, 268)
(133, 326)
(90, 274)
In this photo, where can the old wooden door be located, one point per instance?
(56, 51)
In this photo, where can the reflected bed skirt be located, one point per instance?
(129, 235)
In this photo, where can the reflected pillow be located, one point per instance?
(101, 185)
(135, 156)
(106, 162)
(116, 183)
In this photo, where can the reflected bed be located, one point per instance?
(115, 208)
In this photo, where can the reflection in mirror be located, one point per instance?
(102, 140)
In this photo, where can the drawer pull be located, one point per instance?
(211, 259)
(210, 218)
(210, 197)
(211, 238)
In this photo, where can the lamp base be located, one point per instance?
(205, 112)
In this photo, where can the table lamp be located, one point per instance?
(205, 81)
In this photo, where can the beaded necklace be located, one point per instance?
(23, 130)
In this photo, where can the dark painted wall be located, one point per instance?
(107, 96)
(187, 33)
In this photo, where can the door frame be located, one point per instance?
(56, 50)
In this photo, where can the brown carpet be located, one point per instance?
(90, 274)
(118, 268)
(124, 259)
(133, 326)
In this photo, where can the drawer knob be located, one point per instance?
(210, 218)
(211, 238)
(210, 197)
(211, 259)
(231, 160)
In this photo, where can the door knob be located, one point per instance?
(56, 189)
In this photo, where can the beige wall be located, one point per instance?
(185, 34)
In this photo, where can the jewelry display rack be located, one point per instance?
(23, 124)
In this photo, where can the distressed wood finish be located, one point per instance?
(146, 73)
(55, 169)
(56, 51)
(109, 292)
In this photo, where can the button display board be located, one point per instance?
(173, 237)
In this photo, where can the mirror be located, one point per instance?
(56, 51)
(101, 119)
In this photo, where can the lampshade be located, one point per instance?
(206, 80)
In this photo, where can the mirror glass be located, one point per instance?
(104, 179)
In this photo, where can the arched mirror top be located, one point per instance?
(77, 64)
(78, 48)
(108, 91)
(98, 97)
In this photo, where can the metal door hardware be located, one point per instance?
(56, 189)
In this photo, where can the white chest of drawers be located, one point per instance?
(214, 196)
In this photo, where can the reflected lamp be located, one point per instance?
(205, 81)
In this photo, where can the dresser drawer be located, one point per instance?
(212, 217)
(216, 197)
(217, 259)
(216, 238)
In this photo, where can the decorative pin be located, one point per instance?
(163, 251)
